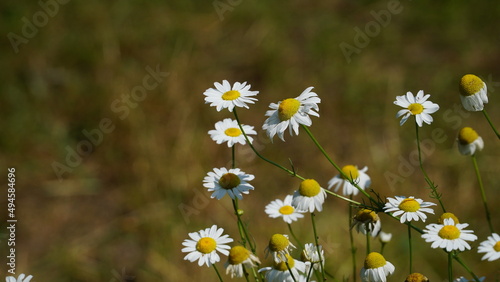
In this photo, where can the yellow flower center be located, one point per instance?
(415, 108)
(233, 132)
(278, 243)
(447, 215)
(288, 108)
(206, 245)
(309, 188)
(470, 85)
(351, 172)
(231, 95)
(229, 181)
(374, 260)
(467, 135)
(409, 205)
(286, 210)
(366, 216)
(449, 232)
(237, 255)
(496, 247)
(416, 277)
(281, 266)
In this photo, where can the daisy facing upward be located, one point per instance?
(417, 106)
(225, 96)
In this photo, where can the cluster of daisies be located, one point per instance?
(205, 246)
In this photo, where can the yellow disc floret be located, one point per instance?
(281, 266)
(351, 172)
(467, 135)
(238, 254)
(232, 132)
(415, 108)
(229, 181)
(309, 188)
(447, 215)
(409, 205)
(496, 247)
(231, 95)
(206, 245)
(286, 210)
(366, 216)
(449, 232)
(288, 108)
(374, 260)
(416, 277)
(278, 243)
(470, 85)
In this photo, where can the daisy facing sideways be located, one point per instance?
(229, 131)
(290, 113)
(449, 236)
(358, 176)
(473, 93)
(233, 182)
(410, 209)
(491, 248)
(280, 272)
(238, 257)
(284, 209)
(469, 141)
(417, 106)
(225, 96)
(309, 197)
(376, 268)
(204, 245)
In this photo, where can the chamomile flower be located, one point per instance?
(473, 93)
(309, 197)
(284, 209)
(290, 113)
(233, 182)
(204, 245)
(376, 268)
(228, 131)
(449, 236)
(417, 106)
(416, 277)
(353, 175)
(310, 254)
(21, 278)
(447, 215)
(367, 221)
(384, 237)
(238, 257)
(491, 247)
(224, 96)
(469, 141)
(410, 209)
(279, 272)
(279, 246)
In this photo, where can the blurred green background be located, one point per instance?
(115, 214)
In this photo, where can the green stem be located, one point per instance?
(411, 251)
(434, 193)
(293, 235)
(233, 160)
(450, 267)
(317, 246)
(353, 248)
(217, 271)
(483, 194)
(466, 268)
(368, 248)
(290, 270)
(242, 229)
(491, 124)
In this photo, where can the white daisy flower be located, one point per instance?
(469, 141)
(310, 254)
(238, 257)
(410, 209)
(284, 209)
(279, 246)
(473, 93)
(204, 245)
(385, 237)
(290, 113)
(359, 177)
(448, 235)
(233, 182)
(491, 247)
(367, 221)
(309, 197)
(416, 106)
(279, 272)
(376, 268)
(224, 96)
(228, 131)
(20, 278)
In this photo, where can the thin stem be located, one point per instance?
(491, 124)
(217, 271)
(368, 247)
(483, 194)
(245, 273)
(290, 270)
(343, 198)
(466, 268)
(241, 228)
(353, 248)
(293, 235)
(411, 251)
(317, 246)
(434, 193)
(450, 267)
(233, 160)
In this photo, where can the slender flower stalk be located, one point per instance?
(317, 246)
(242, 228)
(353, 248)
(483, 194)
(457, 258)
(217, 271)
(368, 239)
(491, 124)
(410, 249)
(293, 235)
(450, 267)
